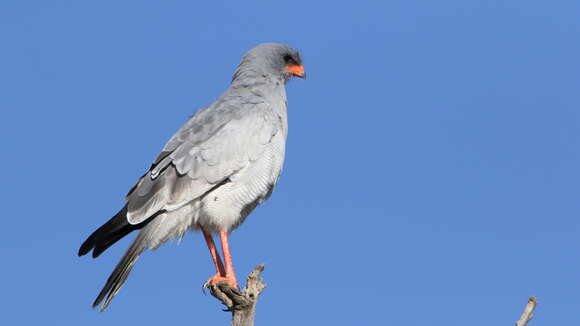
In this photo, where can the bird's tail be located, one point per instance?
(121, 272)
(104, 237)
(156, 230)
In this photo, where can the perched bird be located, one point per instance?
(213, 172)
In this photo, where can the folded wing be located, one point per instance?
(201, 155)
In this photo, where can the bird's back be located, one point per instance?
(224, 148)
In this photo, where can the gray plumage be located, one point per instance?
(218, 166)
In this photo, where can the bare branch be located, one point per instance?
(528, 313)
(242, 304)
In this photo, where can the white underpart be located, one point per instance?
(220, 209)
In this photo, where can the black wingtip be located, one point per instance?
(86, 246)
(98, 251)
(109, 233)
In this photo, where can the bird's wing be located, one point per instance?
(213, 145)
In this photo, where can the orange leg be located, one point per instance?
(222, 274)
(219, 266)
(230, 276)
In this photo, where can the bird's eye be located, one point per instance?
(288, 59)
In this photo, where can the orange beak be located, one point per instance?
(296, 70)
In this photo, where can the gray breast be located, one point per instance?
(227, 207)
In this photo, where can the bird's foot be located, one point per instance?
(217, 278)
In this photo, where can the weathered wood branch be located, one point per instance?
(528, 313)
(242, 304)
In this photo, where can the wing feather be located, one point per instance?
(207, 150)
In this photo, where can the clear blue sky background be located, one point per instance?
(432, 172)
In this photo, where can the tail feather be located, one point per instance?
(121, 272)
(104, 237)
(160, 228)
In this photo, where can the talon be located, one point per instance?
(204, 286)
(216, 279)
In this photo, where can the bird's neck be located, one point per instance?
(247, 76)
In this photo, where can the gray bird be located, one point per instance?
(213, 172)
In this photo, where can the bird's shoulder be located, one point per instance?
(209, 120)
(220, 137)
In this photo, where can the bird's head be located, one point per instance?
(274, 59)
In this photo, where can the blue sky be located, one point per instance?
(432, 171)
